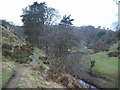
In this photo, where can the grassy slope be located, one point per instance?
(11, 39)
(7, 70)
(6, 64)
(0, 71)
(38, 53)
(31, 77)
(106, 66)
(7, 73)
(0, 59)
(36, 74)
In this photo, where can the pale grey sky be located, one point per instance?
(85, 12)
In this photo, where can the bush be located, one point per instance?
(43, 58)
(6, 49)
(23, 60)
(113, 54)
(55, 70)
(21, 57)
(65, 80)
(6, 53)
(6, 46)
(21, 53)
(6, 76)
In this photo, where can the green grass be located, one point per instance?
(11, 39)
(0, 72)
(6, 70)
(6, 75)
(38, 53)
(107, 66)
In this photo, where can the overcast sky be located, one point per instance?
(85, 12)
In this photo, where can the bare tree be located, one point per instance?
(51, 16)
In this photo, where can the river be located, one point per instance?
(86, 85)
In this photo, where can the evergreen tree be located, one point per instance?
(66, 20)
(33, 20)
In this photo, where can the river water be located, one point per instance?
(86, 85)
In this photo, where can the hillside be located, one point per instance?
(27, 66)
(47, 50)
(105, 71)
(23, 66)
(107, 65)
(11, 39)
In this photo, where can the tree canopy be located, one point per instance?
(66, 20)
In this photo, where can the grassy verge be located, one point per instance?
(7, 70)
(38, 54)
(6, 75)
(105, 66)
(0, 63)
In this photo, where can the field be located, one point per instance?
(105, 71)
(104, 64)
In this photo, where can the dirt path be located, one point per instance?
(14, 80)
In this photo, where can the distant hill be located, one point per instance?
(88, 35)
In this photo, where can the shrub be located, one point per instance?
(6, 46)
(6, 53)
(65, 80)
(43, 58)
(21, 58)
(55, 70)
(40, 58)
(6, 49)
(113, 54)
(21, 53)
